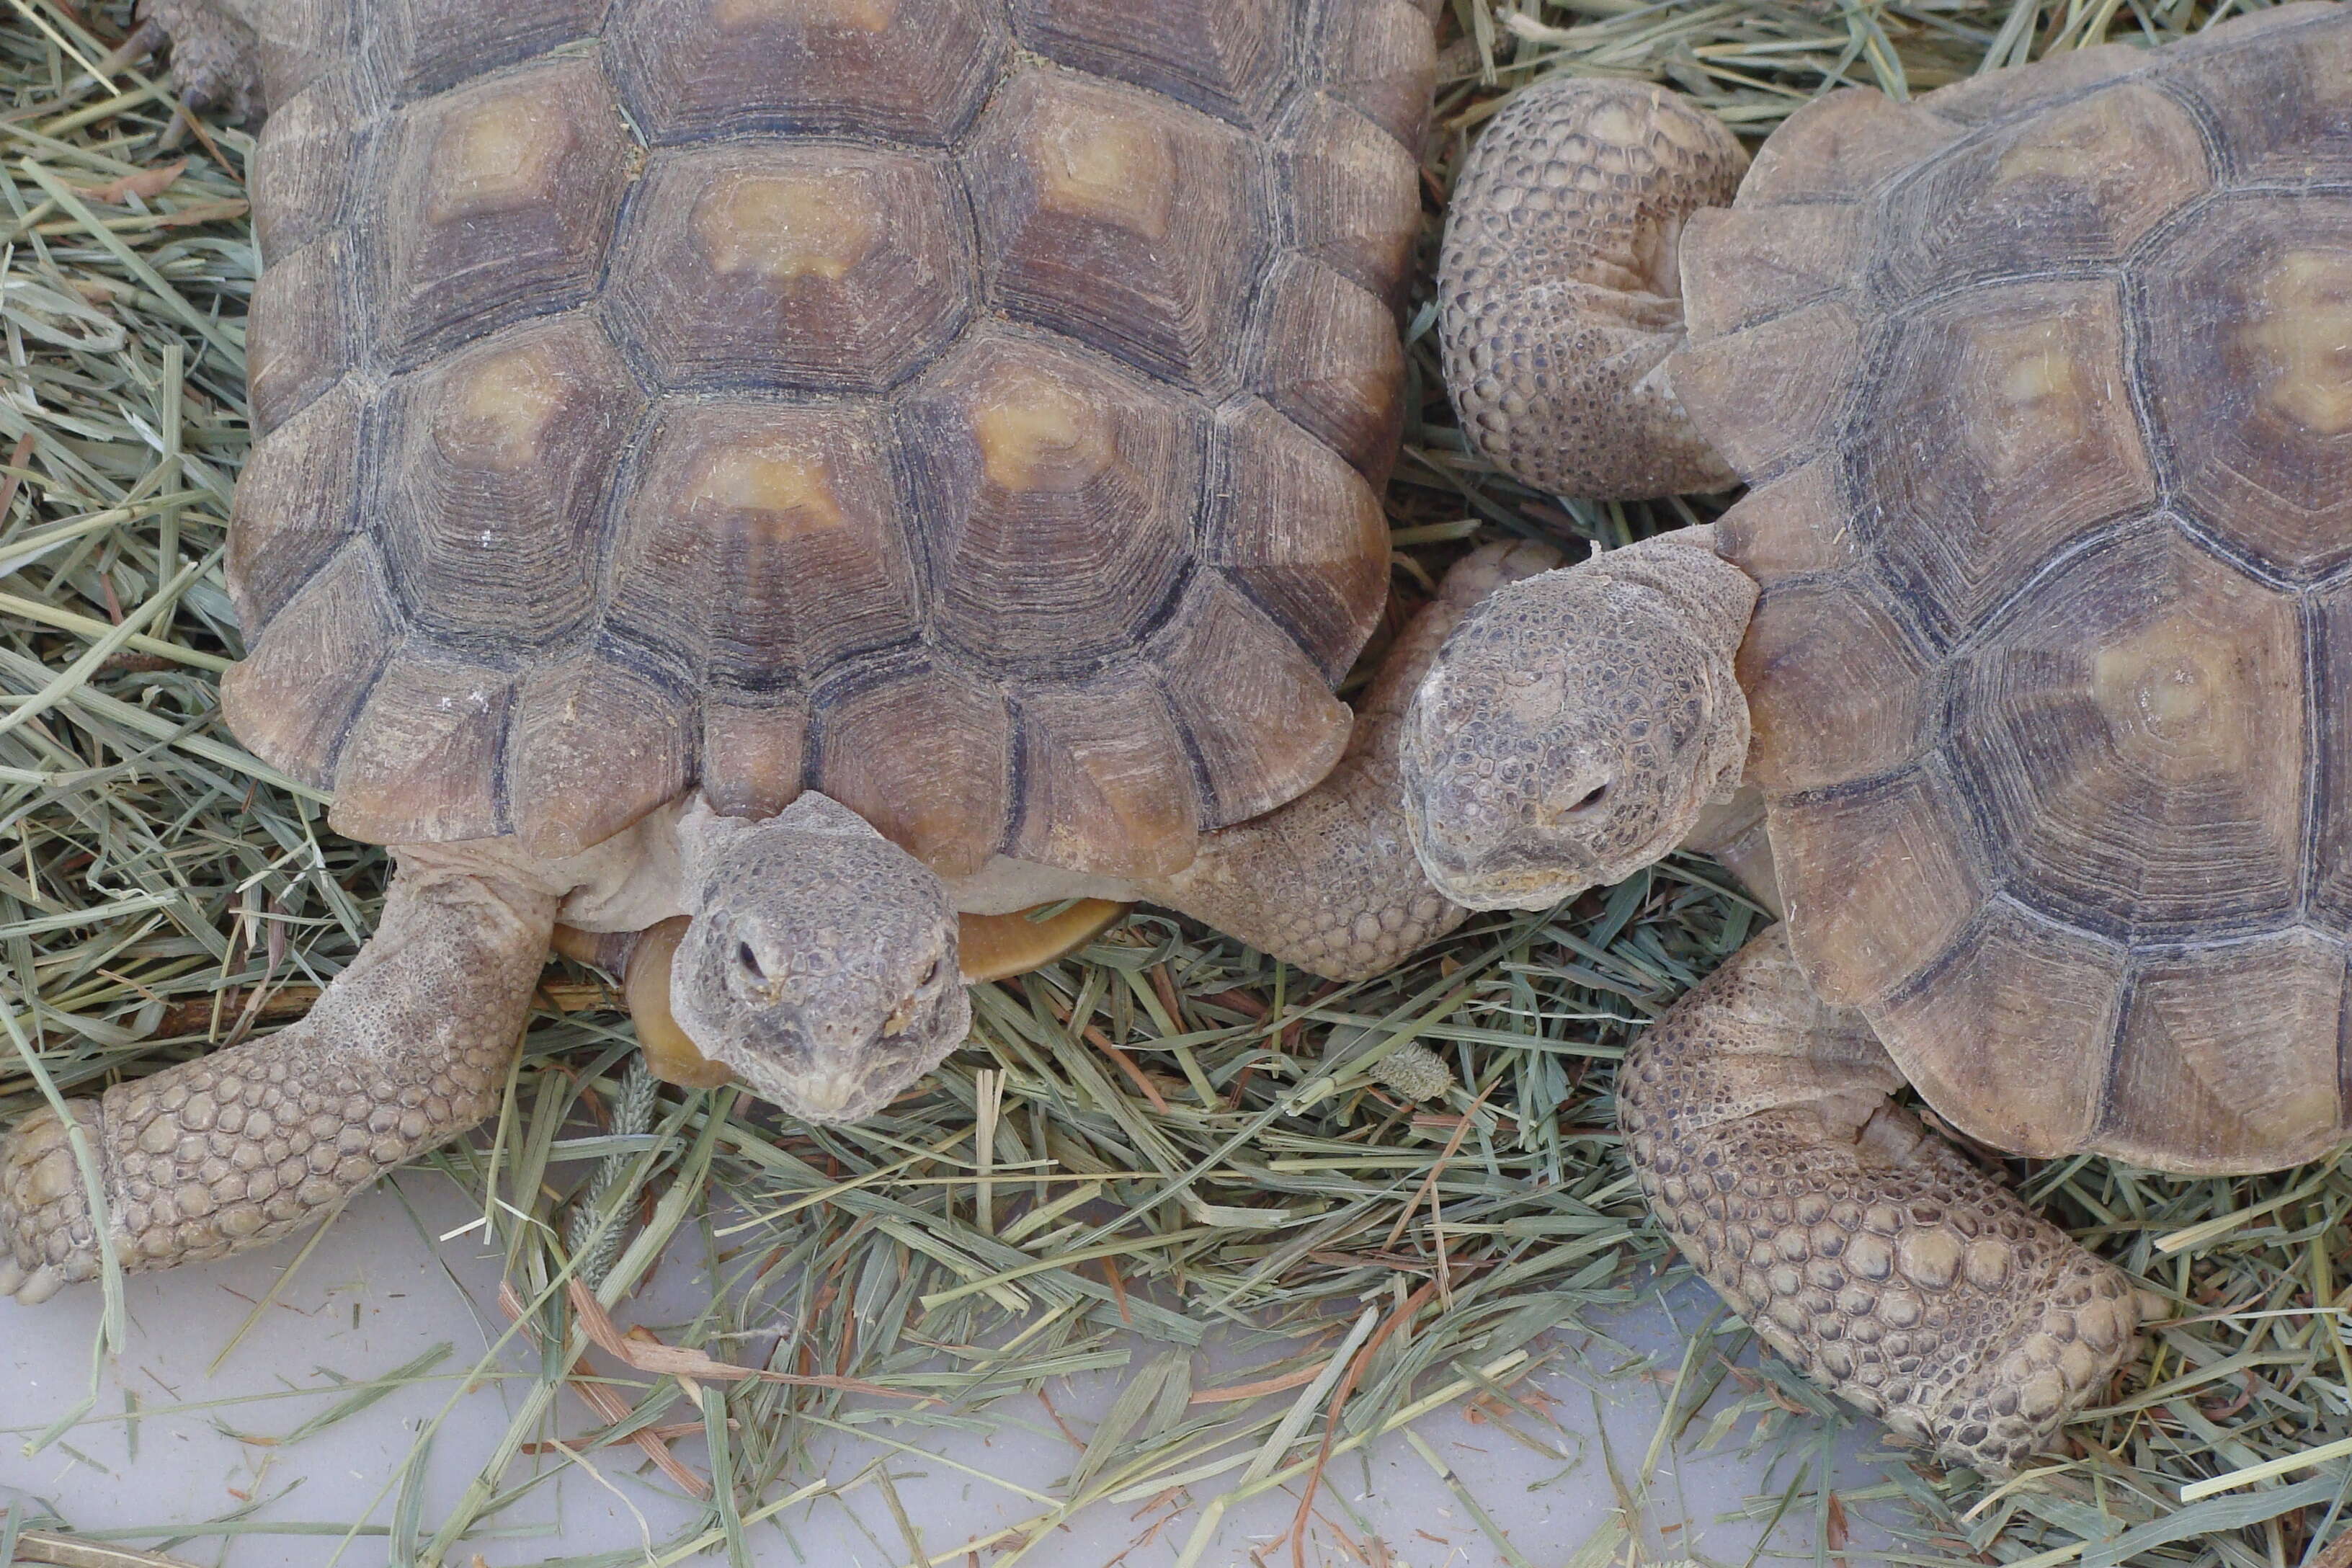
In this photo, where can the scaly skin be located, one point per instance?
(1863, 1247)
(1562, 290)
(1329, 881)
(408, 1048)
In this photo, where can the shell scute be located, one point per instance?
(296, 503)
(2135, 727)
(947, 801)
(303, 176)
(754, 751)
(1837, 688)
(301, 41)
(435, 44)
(300, 341)
(1102, 790)
(2034, 441)
(1380, 57)
(2252, 376)
(491, 517)
(1867, 934)
(2009, 986)
(827, 268)
(1767, 261)
(2231, 1052)
(1229, 58)
(598, 740)
(1299, 531)
(1119, 218)
(2282, 104)
(1994, 95)
(502, 201)
(1056, 496)
(1840, 147)
(292, 696)
(1261, 719)
(763, 544)
(422, 759)
(2330, 874)
(1774, 394)
(1357, 195)
(1327, 355)
(2085, 180)
(912, 70)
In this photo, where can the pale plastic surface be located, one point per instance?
(377, 1292)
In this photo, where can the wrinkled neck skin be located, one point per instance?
(1578, 724)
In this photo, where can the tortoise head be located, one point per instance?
(1575, 723)
(820, 964)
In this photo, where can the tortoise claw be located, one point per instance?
(31, 1288)
(40, 1285)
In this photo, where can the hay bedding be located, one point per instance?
(1169, 1134)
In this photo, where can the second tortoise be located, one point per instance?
(2031, 641)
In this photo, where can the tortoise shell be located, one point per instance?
(973, 409)
(2043, 382)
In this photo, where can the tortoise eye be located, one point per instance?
(749, 961)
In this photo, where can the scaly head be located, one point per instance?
(820, 964)
(1574, 725)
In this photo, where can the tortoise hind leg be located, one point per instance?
(1862, 1247)
(1329, 881)
(408, 1048)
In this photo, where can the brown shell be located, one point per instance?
(973, 409)
(2043, 386)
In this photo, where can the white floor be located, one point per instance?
(378, 1293)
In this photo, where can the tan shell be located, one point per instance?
(972, 409)
(2043, 382)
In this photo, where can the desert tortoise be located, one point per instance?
(2043, 386)
(814, 466)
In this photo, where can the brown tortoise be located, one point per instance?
(815, 466)
(2041, 600)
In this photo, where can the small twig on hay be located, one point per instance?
(642, 1350)
(146, 184)
(1118, 1291)
(1264, 1385)
(611, 1409)
(10, 483)
(1128, 1065)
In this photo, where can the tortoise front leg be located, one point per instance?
(1560, 286)
(408, 1048)
(1863, 1247)
(1329, 882)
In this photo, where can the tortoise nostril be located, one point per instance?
(1589, 800)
